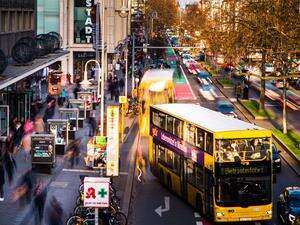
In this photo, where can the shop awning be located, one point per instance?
(15, 73)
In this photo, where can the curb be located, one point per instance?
(131, 158)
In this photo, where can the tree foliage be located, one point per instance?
(167, 13)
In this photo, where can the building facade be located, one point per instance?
(17, 20)
(48, 16)
(76, 30)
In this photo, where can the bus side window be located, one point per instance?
(200, 139)
(170, 124)
(178, 128)
(161, 153)
(192, 134)
(162, 121)
(209, 143)
(155, 119)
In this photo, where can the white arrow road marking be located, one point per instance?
(160, 210)
(197, 215)
(199, 223)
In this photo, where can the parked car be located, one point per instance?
(276, 159)
(207, 90)
(269, 68)
(288, 206)
(227, 108)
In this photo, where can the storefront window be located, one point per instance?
(83, 22)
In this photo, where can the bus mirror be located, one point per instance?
(274, 178)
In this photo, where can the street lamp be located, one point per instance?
(100, 91)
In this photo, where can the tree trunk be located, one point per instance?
(262, 97)
(284, 125)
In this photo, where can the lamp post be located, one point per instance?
(123, 13)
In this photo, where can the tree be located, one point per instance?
(167, 14)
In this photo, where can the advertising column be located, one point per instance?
(112, 168)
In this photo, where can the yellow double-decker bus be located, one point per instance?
(220, 165)
(156, 87)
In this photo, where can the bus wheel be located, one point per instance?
(169, 183)
(199, 204)
(161, 177)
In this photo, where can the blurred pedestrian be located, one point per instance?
(23, 190)
(69, 78)
(39, 125)
(121, 85)
(93, 124)
(55, 212)
(238, 91)
(62, 97)
(9, 162)
(2, 179)
(40, 195)
(76, 90)
(73, 152)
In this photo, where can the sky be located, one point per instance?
(183, 2)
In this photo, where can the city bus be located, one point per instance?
(156, 87)
(220, 165)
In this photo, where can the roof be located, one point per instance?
(157, 74)
(206, 118)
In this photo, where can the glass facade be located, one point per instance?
(82, 21)
(47, 16)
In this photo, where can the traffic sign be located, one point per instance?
(96, 192)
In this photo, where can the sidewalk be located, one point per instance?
(63, 182)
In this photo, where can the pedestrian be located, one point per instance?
(55, 212)
(117, 93)
(10, 163)
(2, 179)
(111, 89)
(246, 91)
(121, 84)
(39, 125)
(23, 190)
(40, 195)
(92, 122)
(63, 96)
(73, 152)
(238, 91)
(75, 90)
(26, 145)
(69, 78)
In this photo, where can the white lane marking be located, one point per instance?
(188, 82)
(197, 215)
(87, 171)
(140, 174)
(199, 223)
(160, 210)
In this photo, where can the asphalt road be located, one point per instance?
(149, 194)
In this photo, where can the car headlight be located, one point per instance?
(219, 214)
(277, 160)
(292, 218)
(269, 212)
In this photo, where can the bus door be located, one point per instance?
(209, 184)
(4, 122)
(183, 177)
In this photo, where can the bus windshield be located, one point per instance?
(243, 191)
(235, 150)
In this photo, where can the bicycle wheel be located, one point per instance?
(78, 200)
(115, 200)
(75, 220)
(80, 211)
(118, 218)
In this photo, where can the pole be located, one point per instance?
(126, 70)
(96, 216)
(133, 58)
(102, 71)
(97, 32)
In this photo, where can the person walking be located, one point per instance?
(55, 212)
(40, 195)
(121, 85)
(73, 152)
(10, 164)
(63, 96)
(92, 122)
(2, 179)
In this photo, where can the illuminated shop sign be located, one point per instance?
(83, 26)
(178, 145)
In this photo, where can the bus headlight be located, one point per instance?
(219, 214)
(277, 160)
(292, 218)
(269, 212)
